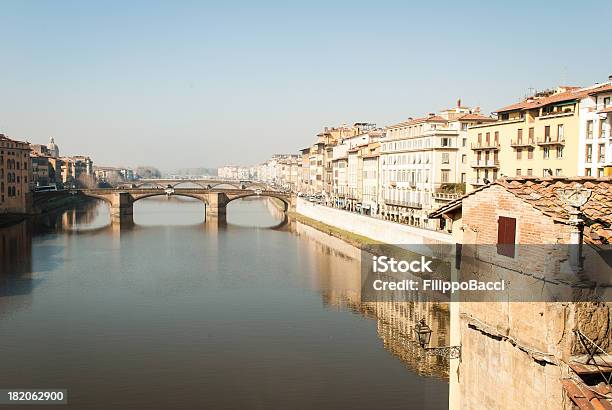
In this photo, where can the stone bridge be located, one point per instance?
(121, 201)
(202, 183)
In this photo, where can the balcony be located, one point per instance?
(522, 144)
(443, 196)
(478, 181)
(491, 163)
(404, 204)
(485, 145)
(549, 141)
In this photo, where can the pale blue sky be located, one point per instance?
(188, 84)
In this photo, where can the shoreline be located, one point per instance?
(356, 240)
(11, 219)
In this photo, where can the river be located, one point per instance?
(178, 313)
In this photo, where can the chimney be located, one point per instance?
(610, 78)
(459, 102)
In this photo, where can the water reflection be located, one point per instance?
(221, 316)
(339, 281)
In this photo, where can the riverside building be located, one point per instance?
(561, 132)
(595, 131)
(14, 175)
(424, 164)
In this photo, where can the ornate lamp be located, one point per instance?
(422, 333)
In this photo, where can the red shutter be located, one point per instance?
(506, 235)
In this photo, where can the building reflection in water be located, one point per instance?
(339, 281)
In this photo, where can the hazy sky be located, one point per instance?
(189, 84)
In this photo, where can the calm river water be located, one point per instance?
(175, 313)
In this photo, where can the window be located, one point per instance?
(463, 158)
(558, 172)
(547, 133)
(462, 178)
(445, 142)
(519, 154)
(519, 136)
(546, 172)
(445, 175)
(587, 172)
(479, 138)
(560, 136)
(464, 126)
(589, 153)
(606, 101)
(445, 158)
(560, 151)
(601, 129)
(488, 138)
(546, 153)
(506, 236)
(600, 172)
(530, 153)
(601, 153)
(589, 129)
(496, 138)
(531, 134)
(518, 172)
(529, 172)
(464, 142)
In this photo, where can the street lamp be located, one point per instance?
(422, 333)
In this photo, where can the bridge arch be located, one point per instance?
(201, 198)
(104, 198)
(201, 185)
(216, 184)
(284, 199)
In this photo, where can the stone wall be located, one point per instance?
(377, 229)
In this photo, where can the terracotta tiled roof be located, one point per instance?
(476, 117)
(534, 102)
(601, 89)
(586, 397)
(431, 118)
(543, 195)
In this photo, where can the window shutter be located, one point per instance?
(506, 235)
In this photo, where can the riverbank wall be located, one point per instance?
(53, 204)
(368, 228)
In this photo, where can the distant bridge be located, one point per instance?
(121, 200)
(202, 183)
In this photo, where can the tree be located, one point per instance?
(147, 172)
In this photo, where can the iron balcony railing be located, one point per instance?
(491, 163)
(485, 145)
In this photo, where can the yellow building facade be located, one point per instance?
(536, 137)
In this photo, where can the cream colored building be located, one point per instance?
(595, 131)
(424, 164)
(370, 178)
(77, 171)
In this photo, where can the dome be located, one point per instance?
(53, 148)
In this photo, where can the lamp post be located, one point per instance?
(423, 333)
(575, 198)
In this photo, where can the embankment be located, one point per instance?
(361, 230)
